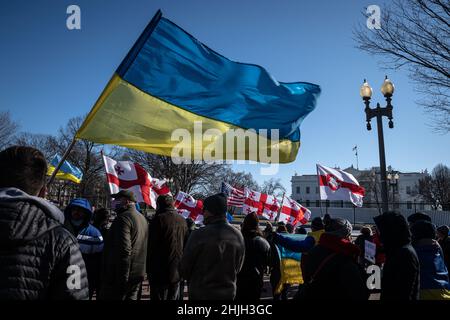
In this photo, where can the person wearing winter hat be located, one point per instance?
(331, 269)
(213, 255)
(434, 279)
(78, 215)
(400, 278)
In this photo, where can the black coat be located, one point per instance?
(340, 277)
(167, 233)
(212, 259)
(124, 254)
(401, 270)
(257, 258)
(445, 245)
(36, 251)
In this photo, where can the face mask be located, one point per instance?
(77, 223)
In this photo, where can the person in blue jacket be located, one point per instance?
(78, 215)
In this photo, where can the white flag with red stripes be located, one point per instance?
(260, 203)
(235, 196)
(188, 207)
(339, 185)
(294, 213)
(131, 176)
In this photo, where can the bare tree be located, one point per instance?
(198, 177)
(273, 187)
(435, 188)
(415, 34)
(45, 143)
(238, 179)
(8, 129)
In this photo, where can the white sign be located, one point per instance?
(369, 251)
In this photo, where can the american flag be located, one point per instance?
(235, 196)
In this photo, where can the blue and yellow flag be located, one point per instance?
(66, 172)
(170, 81)
(290, 268)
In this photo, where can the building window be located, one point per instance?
(317, 203)
(317, 190)
(298, 190)
(421, 206)
(409, 205)
(307, 203)
(408, 190)
(307, 190)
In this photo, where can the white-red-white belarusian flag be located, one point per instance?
(260, 203)
(339, 185)
(188, 207)
(294, 213)
(131, 176)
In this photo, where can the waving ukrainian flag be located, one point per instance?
(66, 172)
(169, 80)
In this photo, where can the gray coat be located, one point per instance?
(212, 259)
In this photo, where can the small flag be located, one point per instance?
(188, 207)
(66, 172)
(235, 197)
(339, 185)
(260, 203)
(294, 213)
(131, 176)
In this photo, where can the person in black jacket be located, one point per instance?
(167, 234)
(444, 241)
(400, 280)
(332, 267)
(250, 279)
(39, 258)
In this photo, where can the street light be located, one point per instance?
(387, 89)
(393, 182)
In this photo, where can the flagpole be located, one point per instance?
(320, 198)
(281, 207)
(64, 157)
(357, 164)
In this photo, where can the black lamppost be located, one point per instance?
(393, 182)
(387, 89)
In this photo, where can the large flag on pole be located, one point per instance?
(235, 196)
(188, 207)
(66, 172)
(336, 184)
(294, 213)
(169, 80)
(131, 176)
(262, 204)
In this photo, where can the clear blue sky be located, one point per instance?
(50, 74)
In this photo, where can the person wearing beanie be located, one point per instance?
(400, 278)
(417, 217)
(213, 255)
(166, 237)
(434, 279)
(444, 241)
(250, 279)
(331, 270)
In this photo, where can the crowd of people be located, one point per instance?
(49, 254)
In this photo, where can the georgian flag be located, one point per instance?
(339, 185)
(188, 207)
(260, 203)
(294, 213)
(131, 176)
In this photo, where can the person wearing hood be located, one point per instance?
(125, 252)
(332, 269)
(434, 280)
(401, 272)
(167, 233)
(78, 215)
(250, 279)
(213, 255)
(39, 258)
(444, 241)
